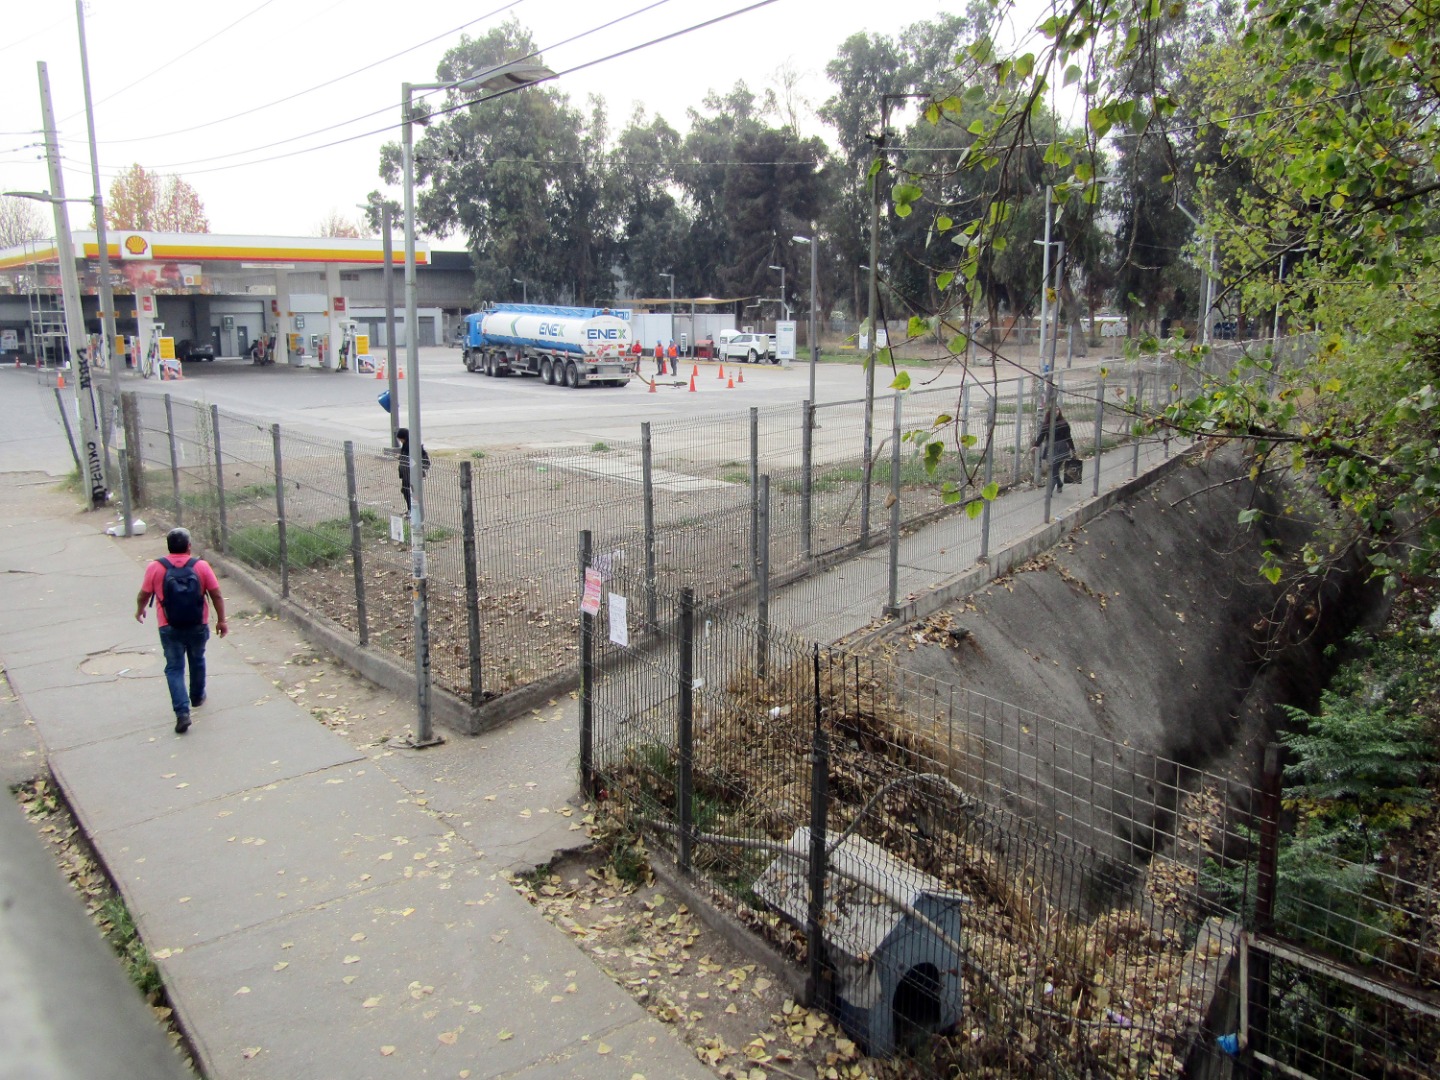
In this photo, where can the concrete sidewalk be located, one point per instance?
(312, 913)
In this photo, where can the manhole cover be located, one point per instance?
(128, 664)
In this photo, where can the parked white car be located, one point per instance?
(747, 348)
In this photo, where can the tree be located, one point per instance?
(146, 201)
(336, 224)
(1323, 152)
(21, 221)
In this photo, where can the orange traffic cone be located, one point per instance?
(399, 372)
(742, 376)
(652, 386)
(694, 369)
(721, 373)
(692, 383)
(379, 371)
(730, 385)
(61, 383)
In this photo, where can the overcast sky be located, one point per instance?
(169, 77)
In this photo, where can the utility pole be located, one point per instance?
(391, 375)
(872, 357)
(107, 293)
(91, 458)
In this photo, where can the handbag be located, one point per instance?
(1074, 470)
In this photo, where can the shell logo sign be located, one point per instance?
(134, 246)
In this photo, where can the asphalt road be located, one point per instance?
(461, 410)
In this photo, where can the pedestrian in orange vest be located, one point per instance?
(674, 355)
(659, 359)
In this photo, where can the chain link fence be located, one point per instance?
(996, 891)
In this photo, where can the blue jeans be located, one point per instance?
(180, 645)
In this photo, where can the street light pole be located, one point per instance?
(524, 289)
(108, 338)
(70, 289)
(504, 77)
(392, 376)
(783, 305)
(813, 243)
(1045, 275)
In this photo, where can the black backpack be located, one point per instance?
(181, 595)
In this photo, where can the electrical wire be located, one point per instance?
(31, 37)
(387, 108)
(318, 86)
(158, 68)
(449, 109)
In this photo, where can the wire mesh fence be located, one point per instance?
(682, 501)
(995, 889)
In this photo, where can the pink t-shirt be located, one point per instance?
(154, 585)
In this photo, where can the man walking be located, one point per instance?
(178, 586)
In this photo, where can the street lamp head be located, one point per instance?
(505, 77)
(777, 268)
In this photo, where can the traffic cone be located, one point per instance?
(692, 384)
(741, 379)
(61, 382)
(694, 369)
(652, 386)
(721, 373)
(379, 371)
(730, 385)
(399, 373)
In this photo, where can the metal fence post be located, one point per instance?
(819, 809)
(357, 555)
(472, 581)
(124, 491)
(174, 458)
(280, 514)
(964, 428)
(1258, 992)
(587, 679)
(69, 432)
(754, 487)
(1099, 435)
(807, 459)
(762, 615)
(894, 569)
(223, 538)
(647, 474)
(989, 479)
(134, 474)
(1135, 438)
(686, 720)
(1019, 416)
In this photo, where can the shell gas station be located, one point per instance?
(316, 302)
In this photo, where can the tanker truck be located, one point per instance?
(565, 346)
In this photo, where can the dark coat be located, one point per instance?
(1064, 443)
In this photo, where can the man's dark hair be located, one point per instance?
(177, 541)
(402, 434)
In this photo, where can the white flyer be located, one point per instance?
(619, 630)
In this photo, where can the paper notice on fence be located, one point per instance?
(397, 528)
(619, 629)
(590, 602)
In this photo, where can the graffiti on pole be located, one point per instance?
(93, 465)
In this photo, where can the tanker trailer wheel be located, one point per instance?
(547, 373)
(572, 376)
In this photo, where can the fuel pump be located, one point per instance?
(348, 330)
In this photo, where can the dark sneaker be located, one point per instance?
(182, 723)
(195, 703)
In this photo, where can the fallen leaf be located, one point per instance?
(242, 990)
(603, 1048)
(281, 966)
(448, 1037)
(370, 1003)
(386, 1051)
(357, 937)
(352, 960)
(250, 1051)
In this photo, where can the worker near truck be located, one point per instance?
(659, 358)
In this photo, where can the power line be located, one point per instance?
(317, 86)
(385, 108)
(158, 68)
(452, 108)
